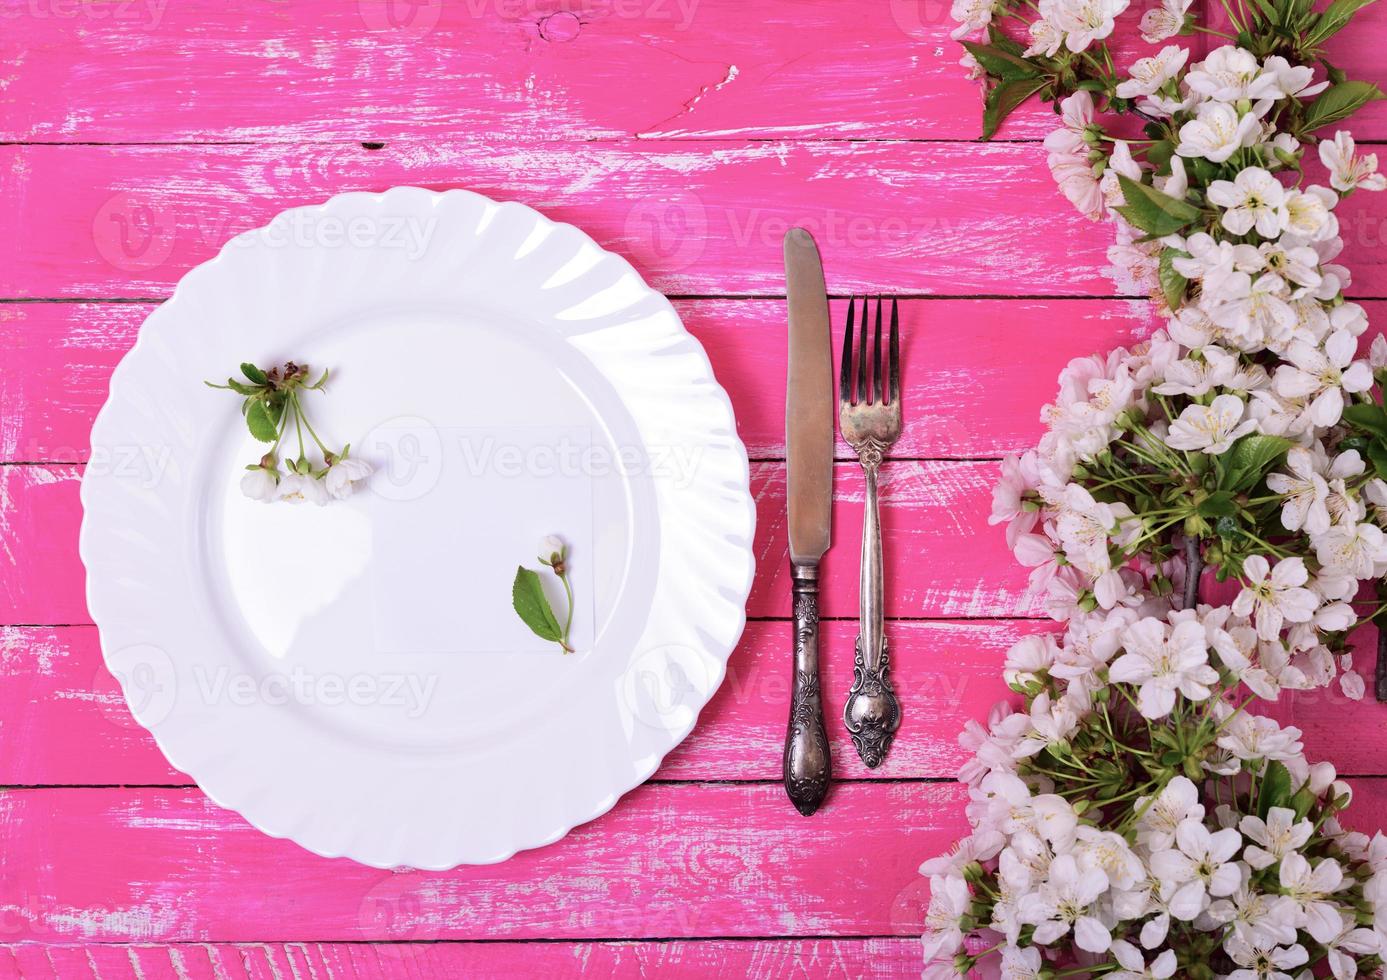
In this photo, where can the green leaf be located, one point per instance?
(532, 605)
(1000, 41)
(262, 424)
(1377, 455)
(1153, 211)
(1226, 527)
(1276, 788)
(1332, 20)
(1338, 103)
(252, 372)
(1001, 64)
(241, 388)
(1249, 459)
(1159, 154)
(1003, 99)
(1173, 285)
(1218, 504)
(1369, 418)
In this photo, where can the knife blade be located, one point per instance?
(809, 501)
(808, 401)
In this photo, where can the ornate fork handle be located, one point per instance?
(808, 765)
(872, 713)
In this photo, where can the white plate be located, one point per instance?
(352, 677)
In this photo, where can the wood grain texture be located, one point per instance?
(787, 959)
(694, 860)
(942, 558)
(686, 135)
(695, 218)
(977, 371)
(484, 70)
(66, 723)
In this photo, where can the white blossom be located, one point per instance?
(1163, 22)
(261, 484)
(1273, 838)
(1162, 662)
(1347, 169)
(343, 476)
(302, 487)
(1201, 863)
(1210, 428)
(1067, 900)
(1216, 132)
(949, 901)
(1252, 199)
(1149, 74)
(1275, 596)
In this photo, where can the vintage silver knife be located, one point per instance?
(809, 441)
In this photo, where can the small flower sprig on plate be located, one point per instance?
(530, 602)
(273, 405)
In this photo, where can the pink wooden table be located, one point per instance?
(136, 136)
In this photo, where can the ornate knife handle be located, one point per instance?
(872, 713)
(807, 762)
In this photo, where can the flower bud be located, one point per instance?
(551, 550)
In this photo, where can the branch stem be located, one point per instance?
(1194, 568)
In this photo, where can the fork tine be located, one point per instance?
(863, 393)
(845, 376)
(895, 353)
(876, 357)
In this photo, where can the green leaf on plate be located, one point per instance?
(254, 373)
(261, 422)
(532, 605)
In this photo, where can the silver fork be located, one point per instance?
(870, 423)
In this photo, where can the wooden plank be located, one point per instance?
(670, 861)
(974, 375)
(63, 719)
(696, 218)
(488, 70)
(942, 558)
(483, 70)
(778, 959)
